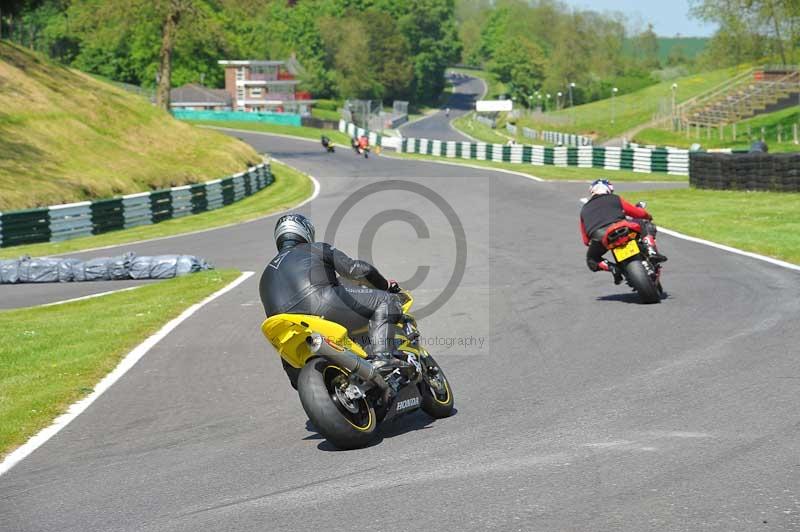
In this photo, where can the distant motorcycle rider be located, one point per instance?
(363, 142)
(603, 209)
(302, 279)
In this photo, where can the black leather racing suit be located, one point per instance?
(302, 279)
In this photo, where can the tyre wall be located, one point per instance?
(777, 172)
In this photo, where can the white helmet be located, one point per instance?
(601, 186)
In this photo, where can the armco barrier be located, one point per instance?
(777, 172)
(639, 159)
(73, 220)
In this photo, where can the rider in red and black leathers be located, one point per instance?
(603, 209)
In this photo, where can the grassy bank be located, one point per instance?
(555, 173)
(65, 136)
(629, 110)
(51, 357)
(290, 188)
(770, 122)
(762, 222)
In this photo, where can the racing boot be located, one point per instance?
(652, 250)
(385, 359)
(613, 268)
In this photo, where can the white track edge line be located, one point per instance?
(723, 247)
(90, 296)
(309, 199)
(730, 249)
(125, 364)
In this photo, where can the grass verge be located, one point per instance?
(326, 114)
(762, 222)
(293, 131)
(555, 173)
(469, 126)
(290, 188)
(54, 356)
(770, 122)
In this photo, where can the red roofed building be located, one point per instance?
(266, 86)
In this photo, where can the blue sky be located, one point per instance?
(667, 16)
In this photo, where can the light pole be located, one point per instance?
(674, 116)
(571, 103)
(547, 102)
(558, 101)
(613, 109)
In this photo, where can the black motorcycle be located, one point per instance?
(328, 144)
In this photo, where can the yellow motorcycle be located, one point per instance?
(346, 395)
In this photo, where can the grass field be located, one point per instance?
(313, 133)
(326, 114)
(51, 357)
(770, 122)
(762, 222)
(629, 110)
(65, 136)
(555, 173)
(290, 188)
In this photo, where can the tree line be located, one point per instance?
(387, 49)
(370, 49)
(751, 30)
(545, 46)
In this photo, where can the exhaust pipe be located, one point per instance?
(347, 360)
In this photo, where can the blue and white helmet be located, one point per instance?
(293, 227)
(601, 186)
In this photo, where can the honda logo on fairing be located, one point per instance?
(408, 403)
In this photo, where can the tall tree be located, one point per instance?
(646, 45)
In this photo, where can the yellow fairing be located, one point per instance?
(288, 332)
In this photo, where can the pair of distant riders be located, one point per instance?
(305, 276)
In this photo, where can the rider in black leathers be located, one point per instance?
(302, 279)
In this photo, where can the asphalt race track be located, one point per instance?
(578, 408)
(436, 126)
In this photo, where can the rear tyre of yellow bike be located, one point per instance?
(346, 423)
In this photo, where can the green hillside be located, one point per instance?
(65, 136)
(629, 110)
(771, 123)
